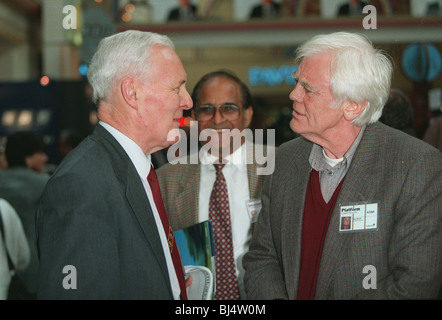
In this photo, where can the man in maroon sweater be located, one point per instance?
(352, 210)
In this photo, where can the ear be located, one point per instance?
(128, 89)
(353, 109)
(248, 115)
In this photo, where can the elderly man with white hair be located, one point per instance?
(102, 228)
(353, 208)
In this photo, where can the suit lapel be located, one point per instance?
(294, 203)
(138, 201)
(135, 194)
(187, 200)
(256, 181)
(355, 188)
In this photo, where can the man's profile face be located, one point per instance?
(312, 98)
(165, 95)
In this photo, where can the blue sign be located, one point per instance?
(271, 76)
(96, 26)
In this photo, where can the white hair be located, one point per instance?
(360, 73)
(122, 54)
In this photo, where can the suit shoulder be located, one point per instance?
(175, 172)
(168, 167)
(402, 142)
(87, 153)
(84, 164)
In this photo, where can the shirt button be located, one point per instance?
(330, 173)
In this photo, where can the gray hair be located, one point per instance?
(120, 55)
(359, 71)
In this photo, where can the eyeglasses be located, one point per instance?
(229, 111)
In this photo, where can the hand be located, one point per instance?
(189, 281)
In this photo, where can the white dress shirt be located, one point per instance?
(17, 244)
(235, 173)
(143, 164)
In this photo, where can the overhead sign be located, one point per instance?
(271, 76)
(96, 26)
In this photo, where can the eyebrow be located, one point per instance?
(179, 85)
(306, 85)
(225, 103)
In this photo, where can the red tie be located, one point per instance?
(219, 212)
(155, 187)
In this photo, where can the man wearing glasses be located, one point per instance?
(192, 192)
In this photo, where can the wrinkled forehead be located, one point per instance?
(315, 69)
(220, 89)
(165, 63)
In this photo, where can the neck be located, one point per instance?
(123, 122)
(336, 144)
(225, 151)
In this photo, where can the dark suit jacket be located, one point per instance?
(95, 216)
(433, 135)
(403, 175)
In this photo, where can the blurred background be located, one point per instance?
(46, 46)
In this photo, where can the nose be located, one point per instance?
(218, 116)
(297, 93)
(187, 102)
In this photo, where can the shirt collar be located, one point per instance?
(141, 162)
(237, 158)
(319, 163)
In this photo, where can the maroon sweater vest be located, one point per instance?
(315, 223)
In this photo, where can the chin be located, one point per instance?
(171, 142)
(174, 135)
(298, 125)
(292, 125)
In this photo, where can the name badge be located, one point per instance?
(358, 217)
(253, 208)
